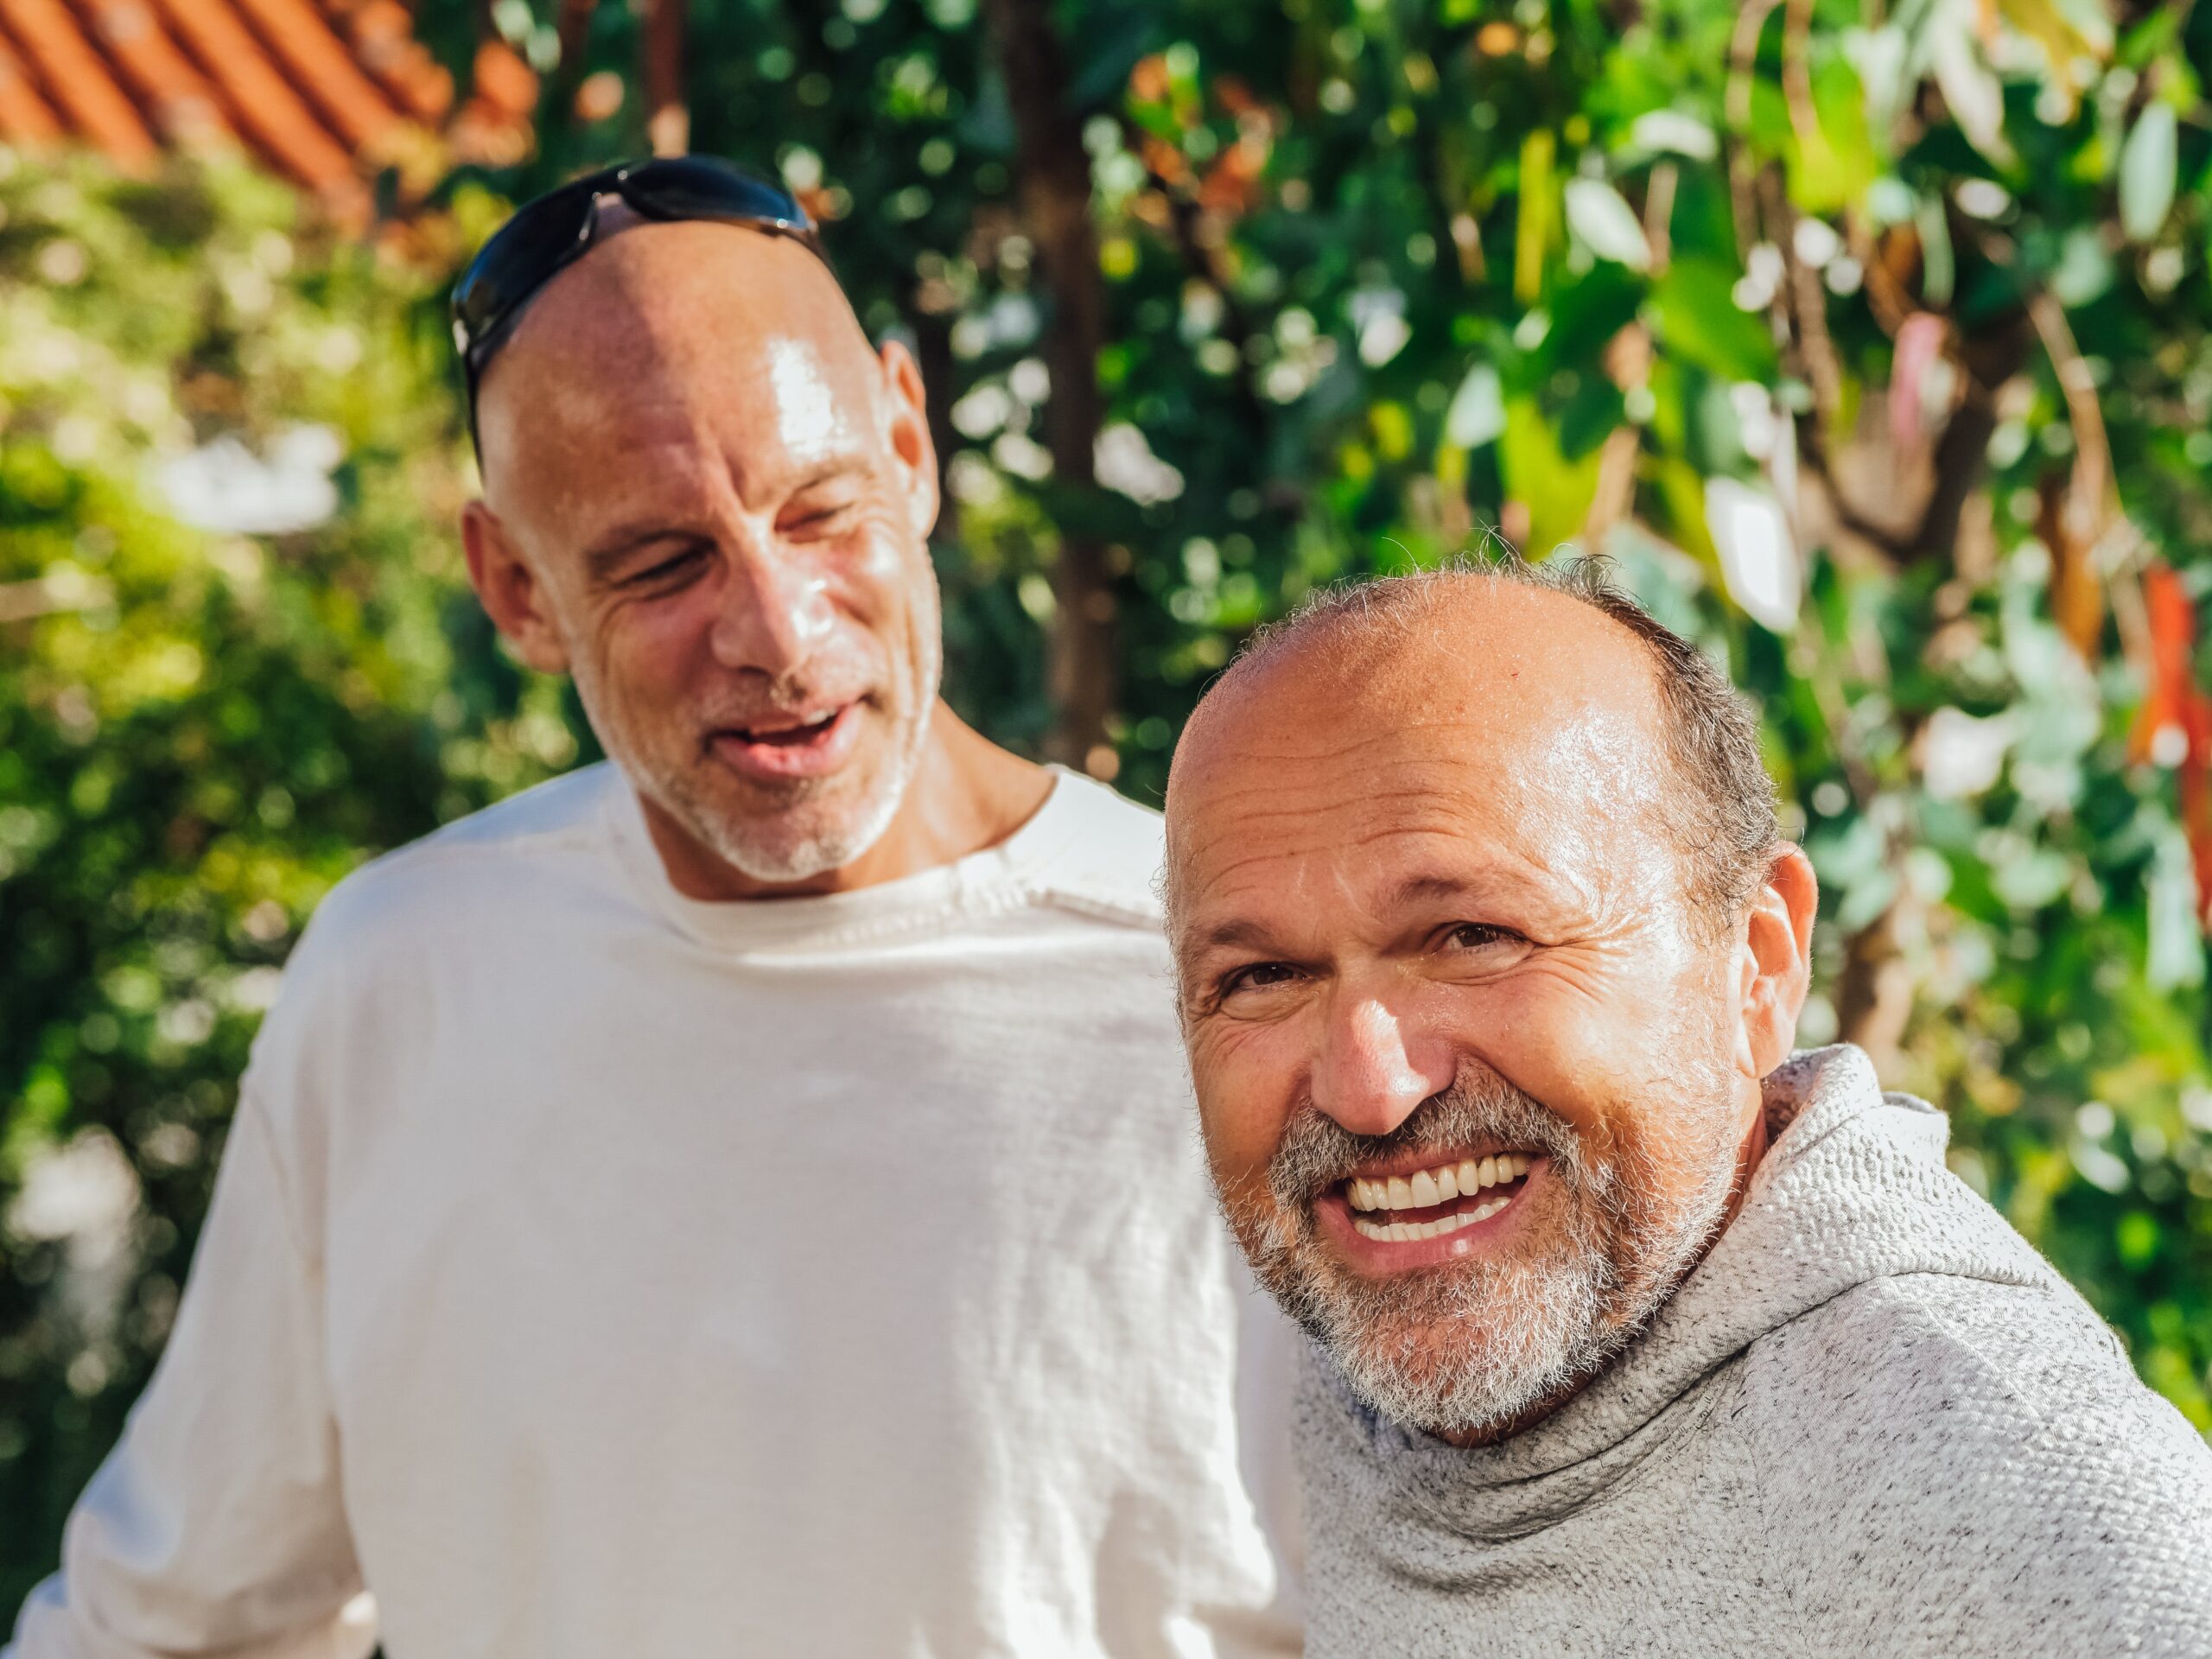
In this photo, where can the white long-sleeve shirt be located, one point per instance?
(593, 1271)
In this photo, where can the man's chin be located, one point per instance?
(802, 831)
(789, 853)
(1459, 1350)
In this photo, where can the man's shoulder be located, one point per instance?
(1958, 1361)
(449, 877)
(1104, 858)
(2027, 1343)
(1997, 1425)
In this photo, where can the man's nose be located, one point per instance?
(1376, 1065)
(775, 609)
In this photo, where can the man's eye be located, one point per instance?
(825, 520)
(662, 570)
(1474, 935)
(1258, 976)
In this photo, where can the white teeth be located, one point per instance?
(1406, 1232)
(1441, 1184)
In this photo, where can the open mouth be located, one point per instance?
(803, 743)
(1443, 1198)
(804, 729)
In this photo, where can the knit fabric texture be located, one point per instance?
(1873, 1422)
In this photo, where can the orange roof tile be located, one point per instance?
(322, 67)
(384, 40)
(325, 91)
(76, 80)
(24, 117)
(262, 101)
(181, 103)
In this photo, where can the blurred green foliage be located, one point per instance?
(199, 731)
(1870, 340)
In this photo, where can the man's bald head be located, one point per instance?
(639, 318)
(1405, 643)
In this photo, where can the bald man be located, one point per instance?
(1639, 1334)
(737, 1199)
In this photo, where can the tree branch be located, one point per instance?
(1055, 197)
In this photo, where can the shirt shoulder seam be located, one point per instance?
(1098, 903)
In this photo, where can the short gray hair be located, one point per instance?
(1721, 814)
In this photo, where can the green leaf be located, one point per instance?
(1477, 415)
(1589, 415)
(1698, 320)
(1556, 491)
(1533, 219)
(2147, 164)
(1607, 225)
(1837, 166)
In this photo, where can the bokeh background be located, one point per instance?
(1869, 338)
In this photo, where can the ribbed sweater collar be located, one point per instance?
(1854, 1187)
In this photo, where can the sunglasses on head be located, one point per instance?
(547, 235)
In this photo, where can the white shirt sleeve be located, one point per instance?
(1270, 1350)
(216, 1526)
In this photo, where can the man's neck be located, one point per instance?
(967, 794)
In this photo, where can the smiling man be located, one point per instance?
(738, 1198)
(1638, 1334)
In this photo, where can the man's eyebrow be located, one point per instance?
(1415, 888)
(828, 472)
(1234, 934)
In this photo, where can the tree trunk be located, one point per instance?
(668, 119)
(1989, 359)
(1055, 194)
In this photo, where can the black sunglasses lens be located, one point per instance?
(515, 262)
(690, 186)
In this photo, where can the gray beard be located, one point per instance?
(1470, 1348)
(768, 858)
(808, 856)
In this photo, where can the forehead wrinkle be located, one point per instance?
(1461, 859)
(1556, 703)
(1496, 867)
(1578, 861)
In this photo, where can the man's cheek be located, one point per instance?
(1241, 1136)
(1565, 1051)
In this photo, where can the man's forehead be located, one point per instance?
(666, 325)
(1443, 792)
(1528, 731)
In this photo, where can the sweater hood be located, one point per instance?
(1853, 1188)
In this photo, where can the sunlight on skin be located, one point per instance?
(1367, 903)
(709, 498)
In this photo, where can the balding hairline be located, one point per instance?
(1720, 805)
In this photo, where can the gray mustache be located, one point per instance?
(1316, 1152)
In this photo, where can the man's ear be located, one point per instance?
(509, 590)
(909, 434)
(1775, 962)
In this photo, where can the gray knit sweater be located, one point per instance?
(1874, 1422)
